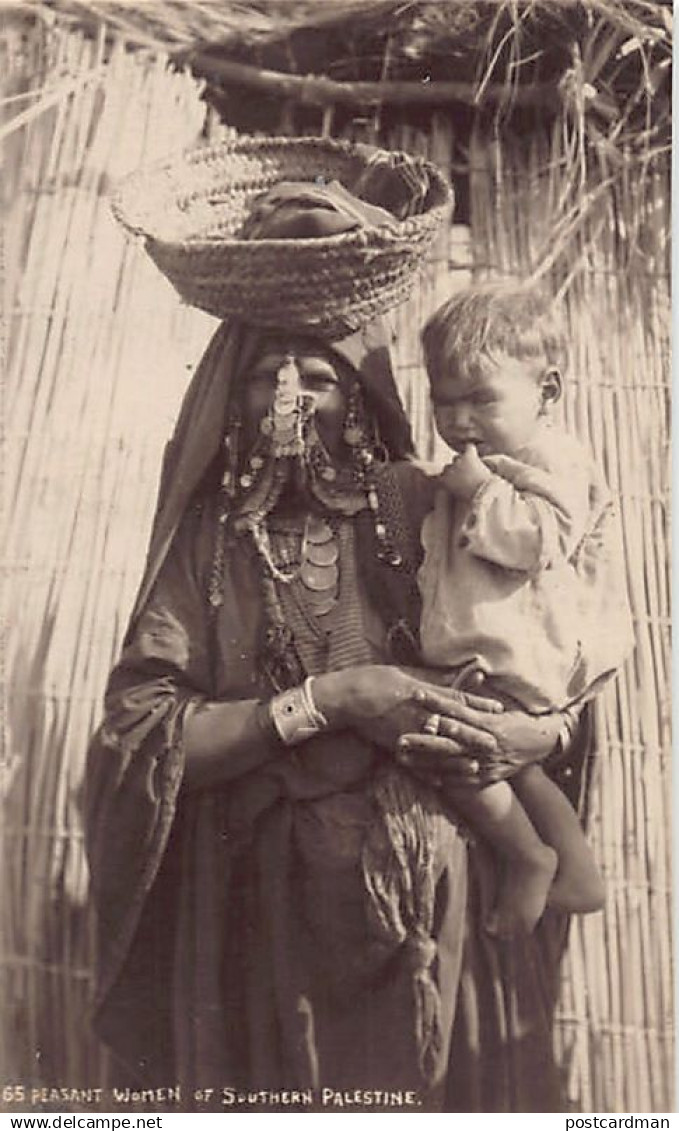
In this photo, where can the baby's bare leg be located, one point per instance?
(529, 865)
(578, 885)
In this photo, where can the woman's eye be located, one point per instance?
(263, 377)
(320, 384)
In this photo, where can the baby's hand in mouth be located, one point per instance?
(463, 477)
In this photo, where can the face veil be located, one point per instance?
(205, 411)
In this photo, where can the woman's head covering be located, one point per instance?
(204, 414)
(304, 210)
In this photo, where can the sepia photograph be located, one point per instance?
(335, 658)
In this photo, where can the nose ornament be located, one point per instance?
(287, 411)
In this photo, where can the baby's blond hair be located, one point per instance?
(490, 319)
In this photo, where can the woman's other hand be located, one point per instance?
(383, 703)
(520, 740)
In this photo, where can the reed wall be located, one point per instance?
(598, 235)
(99, 351)
(98, 355)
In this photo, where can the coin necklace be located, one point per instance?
(318, 569)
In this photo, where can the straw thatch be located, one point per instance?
(98, 352)
(416, 29)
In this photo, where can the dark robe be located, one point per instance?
(235, 940)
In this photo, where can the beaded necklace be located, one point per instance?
(248, 498)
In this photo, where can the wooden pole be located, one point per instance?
(320, 91)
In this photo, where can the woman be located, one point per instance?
(281, 888)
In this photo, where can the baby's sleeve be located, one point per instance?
(527, 518)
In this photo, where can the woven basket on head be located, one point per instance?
(190, 212)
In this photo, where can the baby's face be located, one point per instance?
(496, 407)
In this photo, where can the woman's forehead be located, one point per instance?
(295, 344)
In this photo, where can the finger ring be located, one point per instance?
(431, 724)
(474, 766)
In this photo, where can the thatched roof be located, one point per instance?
(414, 27)
(485, 42)
(605, 62)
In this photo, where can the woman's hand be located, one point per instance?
(224, 740)
(520, 740)
(383, 703)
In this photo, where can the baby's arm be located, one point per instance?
(519, 517)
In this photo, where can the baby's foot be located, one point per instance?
(523, 893)
(577, 890)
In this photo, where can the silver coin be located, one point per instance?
(320, 608)
(314, 599)
(322, 553)
(319, 578)
(314, 595)
(318, 531)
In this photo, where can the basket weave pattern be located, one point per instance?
(190, 212)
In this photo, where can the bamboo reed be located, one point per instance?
(63, 391)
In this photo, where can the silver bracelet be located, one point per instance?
(295, 715)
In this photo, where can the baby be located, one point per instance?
(521, 576)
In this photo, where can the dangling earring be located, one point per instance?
(367, 451)
(380, 450)
(354, 435)
(227, 490)
(257, 458)
(230, 464)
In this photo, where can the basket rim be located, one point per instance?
(319, 242)
(244, 143)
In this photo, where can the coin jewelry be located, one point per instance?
(288, 433)
(318, 568)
